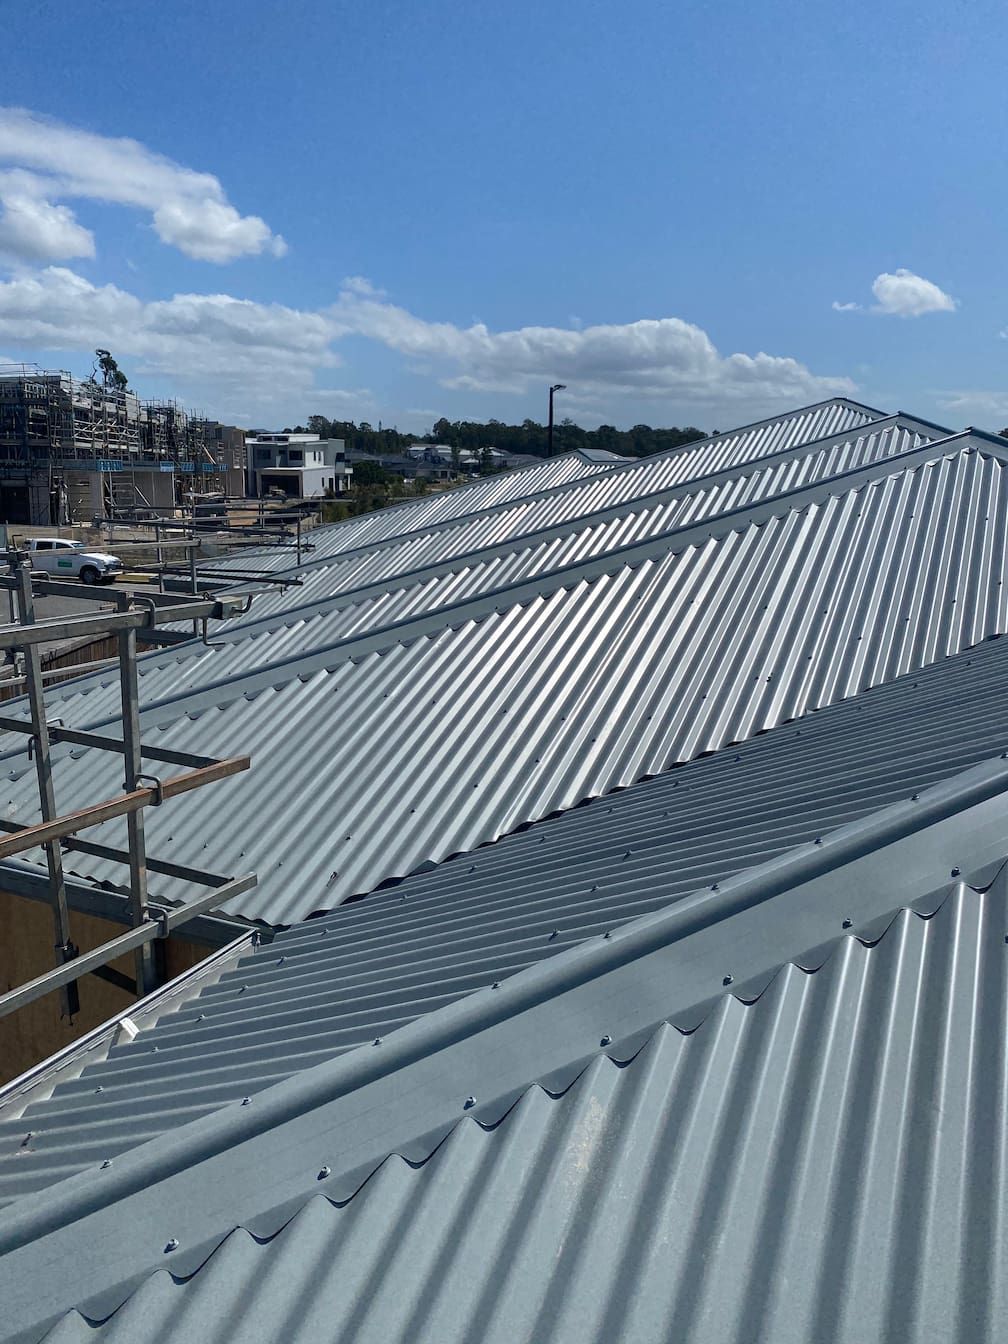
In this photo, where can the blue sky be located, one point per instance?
(395, 212)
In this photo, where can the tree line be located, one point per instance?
(528, 437)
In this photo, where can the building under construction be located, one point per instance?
(73, 450)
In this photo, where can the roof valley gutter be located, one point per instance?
(90, 1191)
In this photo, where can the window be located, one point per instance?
(263, 454)
(295, 455)
(43, 546)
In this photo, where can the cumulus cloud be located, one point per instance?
(47, 162)
(652, 357)
(189, 336)
(972, 405)
(236, 350)
(901, 293)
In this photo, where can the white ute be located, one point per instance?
(60, 557)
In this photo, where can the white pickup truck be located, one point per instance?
(60, 557)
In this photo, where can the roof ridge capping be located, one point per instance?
(88, 1192)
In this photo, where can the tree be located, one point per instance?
(370, 473)
(112, 375)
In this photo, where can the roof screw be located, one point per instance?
(376, 1041)
(552, 935)
(955, 872)
(281, 961)
(242, 989)
(200, 1017)
(324, 1172)
(470, 1102)
(727, 980)
(99, 1088)
(246, 1101)
(914, 797)
(607, 934)
(323, 933)
(495, 985)
(606, 1040)
(846, 924)
(106, 1164)
(817, 840)
(715, 887)
(171, 1244)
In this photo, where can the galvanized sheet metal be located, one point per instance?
(823, 1163)
(368, 768)
(283, 625)
(337, 982)
(732, 449)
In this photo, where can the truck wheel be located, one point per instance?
(89, 574)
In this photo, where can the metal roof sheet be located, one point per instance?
(722, 452)
(633, 494)
(337, 982)
(440, 734)
(756, 1144)
(824, 1163)
(332, 606)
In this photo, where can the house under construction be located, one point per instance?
(74, 450)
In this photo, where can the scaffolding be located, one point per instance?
(136, 617)
(71, 450)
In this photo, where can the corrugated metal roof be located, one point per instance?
(439, 735)
(633, 494)
(332, 606)
(722, 452)
(362, 971)
(822, 1164)
(790, 1162)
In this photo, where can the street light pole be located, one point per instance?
(556, 387)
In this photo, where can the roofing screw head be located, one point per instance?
(607, 934)
(846, 924)
(469, 1103)
(246, 1101)
(727, 980)
(99, 1088)
(377, 1041)
(323, 1173)
(553, 935)
(817, 840)
(914, 797)
(106, 1164)
(495, 985)
(955, 872)
(715, 887)
(281, 961)
(606, 1040)
(171, 1244)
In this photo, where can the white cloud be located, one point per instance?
(653, 357)
(48, 161)
(907, 295)
(970, 405)
(32, 229)
(901, 293)
(234, 354)
(195, 337)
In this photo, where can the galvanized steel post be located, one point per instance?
(43, 768)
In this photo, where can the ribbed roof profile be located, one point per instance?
(810, 1150)
(631, 496)
(456, 568)
(338, 982)
(444, 733)
(732, 449)
(824, 1163)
